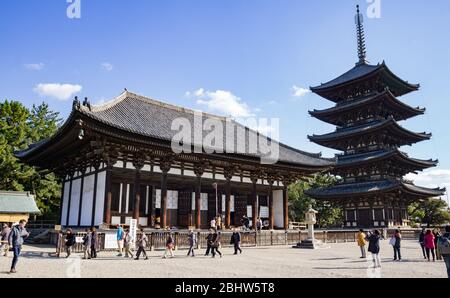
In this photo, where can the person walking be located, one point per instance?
(16, 239)
(70, 242)
(430, 245)
(236, 241)
(87, 240)
(213, 223)
(128, 244)
(4, 245)
(362, 243)
(374, 248)
(216, 244)
(209, 242)
(422, 243)
(192, 243)
(397, 244)
(94, 243)
(120, 235)
(142, 244)
(170, 243)
(437, 235)
(219, 222)
(444, 247)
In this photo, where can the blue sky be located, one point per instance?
(254, 51)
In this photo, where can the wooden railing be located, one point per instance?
(157, 240)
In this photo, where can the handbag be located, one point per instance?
(392, 241)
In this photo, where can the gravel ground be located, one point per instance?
(333, 260)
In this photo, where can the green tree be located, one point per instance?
(432, 212)
(19, 128)
(328, 216)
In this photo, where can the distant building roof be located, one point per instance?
(17, 202)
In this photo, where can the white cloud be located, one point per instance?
(107, 66)
(272, 102)
(58, 91)
(299, 91)
(34, 66)
(223, 102)
(432, 178)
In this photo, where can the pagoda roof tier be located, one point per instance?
(361, 74)
(396, 155)
(404, 137)
(373, 188)
(133, 118)
(400, 110)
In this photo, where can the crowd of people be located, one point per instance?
(434, 245)
(125, 243)
(13, 238)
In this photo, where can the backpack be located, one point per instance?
(444, 245)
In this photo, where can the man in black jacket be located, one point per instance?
(236, 241)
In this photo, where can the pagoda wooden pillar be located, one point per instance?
(254, 203)
(110, 161)
(228, 204)
(165, 168)
(138, 164)
(198, 203)
(286, 184)
(228, 173)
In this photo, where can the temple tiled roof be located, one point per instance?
(386, 97)
(17, 202)
(146, 117)
(362, 71)
(370, 127)
(373, 187)
(359, 159)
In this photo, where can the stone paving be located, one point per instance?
(331, 261)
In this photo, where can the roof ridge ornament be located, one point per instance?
(359, 20)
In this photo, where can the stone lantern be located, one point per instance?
(311, 220)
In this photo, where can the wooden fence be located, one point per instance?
(157, 240)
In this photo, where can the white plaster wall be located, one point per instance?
(74, 203)
(65, 203)
(88, 200)
(203, 201)
(100, 200)
(278, 208)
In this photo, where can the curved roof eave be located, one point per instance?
(361, 72)
(364, 129)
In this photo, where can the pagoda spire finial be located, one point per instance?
(359, 19)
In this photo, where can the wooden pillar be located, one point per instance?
(137, 194)
(138, 163)
(198, 202)
(254, 203)
(94, 201)
(286, 205)
(69, 201)
(80, 207)
(228, 204)
(163, 200)
(108, 192)
(271, 213)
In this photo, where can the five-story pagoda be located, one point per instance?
(372, 191)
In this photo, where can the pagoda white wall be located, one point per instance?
(88, 200)
(278, 209)
(65, 203)
(74, 202)
(100, 200)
